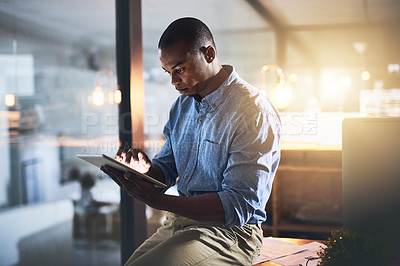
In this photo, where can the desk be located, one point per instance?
(296, 241)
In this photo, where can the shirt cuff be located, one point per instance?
(231, 216)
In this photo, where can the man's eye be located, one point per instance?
(179, 70)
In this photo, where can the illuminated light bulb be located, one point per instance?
(394, 68)
(360, 47)
(347, 82)
(271, 67)
(98, 97)
(365, 75)
(9, 100)
(283, 97)
(117, 96)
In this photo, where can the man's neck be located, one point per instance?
(214, 82)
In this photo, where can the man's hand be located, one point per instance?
(206, 207)
(135, 158)
(140, 189)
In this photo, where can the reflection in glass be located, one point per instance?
(56, 72)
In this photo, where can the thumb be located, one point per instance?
(128, 175)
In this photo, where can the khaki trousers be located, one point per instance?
(182, 241)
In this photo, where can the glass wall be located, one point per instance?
(58, 98)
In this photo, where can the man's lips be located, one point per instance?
(181, 90)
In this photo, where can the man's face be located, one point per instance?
(189, 71)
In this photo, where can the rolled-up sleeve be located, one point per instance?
(253, 159)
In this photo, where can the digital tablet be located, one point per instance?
(102, 159)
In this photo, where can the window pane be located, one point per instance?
(58, 98)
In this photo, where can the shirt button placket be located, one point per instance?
(195, 147)
(199, 126)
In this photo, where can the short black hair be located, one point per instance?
(189, 30)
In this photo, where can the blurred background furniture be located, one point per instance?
(306, 199)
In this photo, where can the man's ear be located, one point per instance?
(209, 53)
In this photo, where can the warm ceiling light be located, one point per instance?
(117, 96)
(282, 97)
(365, 75)
(9, 100)
(394, 68)
(360, 47)
(346, 82)
(280, 80)
(98, 97)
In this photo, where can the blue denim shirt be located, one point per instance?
(228, 143)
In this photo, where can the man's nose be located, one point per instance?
(175, 79)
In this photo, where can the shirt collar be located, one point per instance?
(215, 98)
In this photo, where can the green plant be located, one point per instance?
(350, 248)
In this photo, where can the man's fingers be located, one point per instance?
(131, 184)
(128, 175)
(111, 175)
(114, 174)
(120, 152)
(128, 157)
(145, 157)
(135, 153)
(138, 154)
(118, 176)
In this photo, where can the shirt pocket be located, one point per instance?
(212, 160)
